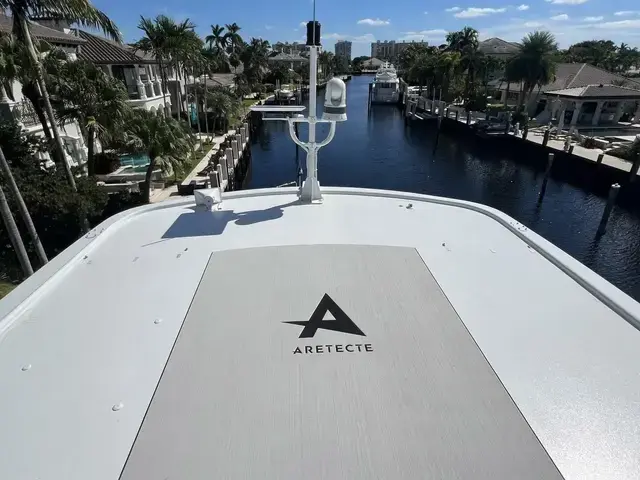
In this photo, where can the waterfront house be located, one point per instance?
(291, 60)
(139, 72)
(570, 76)
(14, 105)
(500, 50)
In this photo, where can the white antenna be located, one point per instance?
(335, 110)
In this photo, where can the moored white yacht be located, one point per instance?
(327, 332)
(386, 85)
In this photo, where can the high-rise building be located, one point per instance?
(343, 49)
(390, 50)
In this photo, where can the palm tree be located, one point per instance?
(223, 105)
(97, 101)
(255, 59)
(218, 39)
(74, 11)
(233, 37)
(16, 65)
(325, 59)
(165, 140)
(535, 64)
(466, 43)
(14, 235)
(8, 72)
(156, 43)
(22, 208)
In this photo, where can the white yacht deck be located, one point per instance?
(173, 342)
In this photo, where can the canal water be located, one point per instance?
(375, 150)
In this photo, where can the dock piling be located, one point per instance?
(547, 173)
(600, 158)
(633, 175)
(457, 114)
(468, 117)
(545, 139)
(435, 145)
(525, 131)
(611, 200)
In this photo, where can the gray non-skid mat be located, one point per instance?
(329, 361)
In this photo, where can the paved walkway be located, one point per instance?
(588, 154)
(160, 195)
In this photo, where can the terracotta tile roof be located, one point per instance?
(100, 50)
(573, 75)
(41, 32)
(497, 46)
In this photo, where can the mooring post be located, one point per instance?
(545, 139)
(457, 114)
(230, 171)
(214, 178)
(634, 169)
(547, 173)
(611, 200)
(435, 145)
(468, 117)
(525, 132)
(600, 158)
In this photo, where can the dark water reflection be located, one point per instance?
(375, 150)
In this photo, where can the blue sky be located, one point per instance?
(364, 21)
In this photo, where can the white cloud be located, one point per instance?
(566, 33)
(562, 16)
(431, 36)
(473, 12)
(592, 19)
(626, 13)
(523, 7)
(374, 22)
(302, 24)
(268, 27)
(426, 13)
(567, 2)
(620, 24)
(366, 38)
(452, 9)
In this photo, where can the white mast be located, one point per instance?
(335, 110)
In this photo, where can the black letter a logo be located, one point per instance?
(342, 322)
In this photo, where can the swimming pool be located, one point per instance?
(134, 160)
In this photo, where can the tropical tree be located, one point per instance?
(14, 235)
(217, 39)
(535, 63)
(233, 37)
(73, 11)
(156, 42)
(97, 101)
(166, 141)
(325, 59)
(407, 57)
(255, 59)
(22, 207)
(466, 43)
(54, 207)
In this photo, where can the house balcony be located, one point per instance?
(24, 113)
(149, 97)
